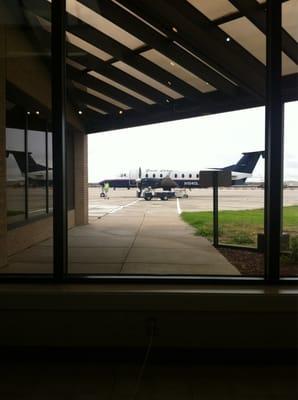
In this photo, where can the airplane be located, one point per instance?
(36, 172)
(168, 179)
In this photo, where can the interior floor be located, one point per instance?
(89, 379)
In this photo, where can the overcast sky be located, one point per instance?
(191, 144)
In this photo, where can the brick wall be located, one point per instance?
(81, 178)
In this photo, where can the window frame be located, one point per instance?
(27, 217)
(59, 87)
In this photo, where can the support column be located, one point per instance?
(59, 139)
(3, 218)
(273, 143)
(81, 178)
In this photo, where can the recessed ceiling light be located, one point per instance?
(174, 29)
(167, 100)
(172, 63)
(37, 112)
(207, 83)
(120, 112)
(28, 113)
(169, 83)
(80, 112)
(228, 39)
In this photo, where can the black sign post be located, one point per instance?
(215, 179)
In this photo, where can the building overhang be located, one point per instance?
(136, 62)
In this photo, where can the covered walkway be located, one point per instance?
(130, 237)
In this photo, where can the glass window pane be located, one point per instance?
(36, 173)
(50, 171)
(25, 98)
(289, 241)
(15, 174)
(289, 228)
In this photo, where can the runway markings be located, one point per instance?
(99, 211)
(121, 207)
(178, 206)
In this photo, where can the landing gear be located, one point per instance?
(139, 190)
(148, 196)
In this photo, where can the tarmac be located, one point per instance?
(127, 236)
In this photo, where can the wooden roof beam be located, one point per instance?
(87, 80)
(250, 9)
(124, 54)
(147, 34)
(198, 34)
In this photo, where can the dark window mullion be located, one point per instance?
(59, 140)
(26, 167)
(47, 171)
(274, 142)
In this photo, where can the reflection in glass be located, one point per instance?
(70, 171)
(15, 174)
(26, 87)
(289, 242)
(289, 228)
(50, 171)
(36, 173)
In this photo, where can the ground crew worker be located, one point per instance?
(106, 188)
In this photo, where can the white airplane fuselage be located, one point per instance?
(240, 171)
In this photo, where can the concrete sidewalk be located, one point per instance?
(142, 238)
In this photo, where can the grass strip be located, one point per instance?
(239, 227)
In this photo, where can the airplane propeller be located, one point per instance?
(139, 182)
(139, 178)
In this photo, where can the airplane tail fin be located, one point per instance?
(247, 162)
(20, 157)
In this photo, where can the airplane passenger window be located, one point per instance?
(190, 175)
(146, 175)
(153, 175)
(176, 175)
(182, 175)
(160, 175)
(197, 175)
